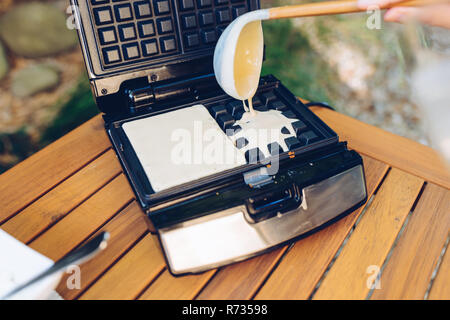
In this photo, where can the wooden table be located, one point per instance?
(66, 193)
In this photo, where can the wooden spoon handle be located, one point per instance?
(335, 7)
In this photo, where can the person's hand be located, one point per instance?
(434, 14)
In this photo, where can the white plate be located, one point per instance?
(19, 264)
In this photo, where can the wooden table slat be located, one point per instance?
(440, 289)
(168, 287)
(302, 267)
(241, 280)
(408, 271)
(372, 239)
(124, 229)
(34, 176)
(131, 274)
(84, 220)
(397, 151)
(59, 201)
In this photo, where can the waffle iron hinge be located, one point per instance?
(190, 89)
(140, 97)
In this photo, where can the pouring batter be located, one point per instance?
(248, 62)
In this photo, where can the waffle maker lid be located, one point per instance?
(148, 41)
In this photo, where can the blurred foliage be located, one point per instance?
(15, 147)
(78, 109)
(291, 58)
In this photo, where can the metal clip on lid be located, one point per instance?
(258, 178)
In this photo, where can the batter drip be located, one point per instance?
(263, 128)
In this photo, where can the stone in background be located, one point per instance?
(35, 30)
(3, 62)
(33, 79)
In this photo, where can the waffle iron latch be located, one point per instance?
(273, 201)
(258, 178)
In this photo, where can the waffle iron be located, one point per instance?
(147, 58)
